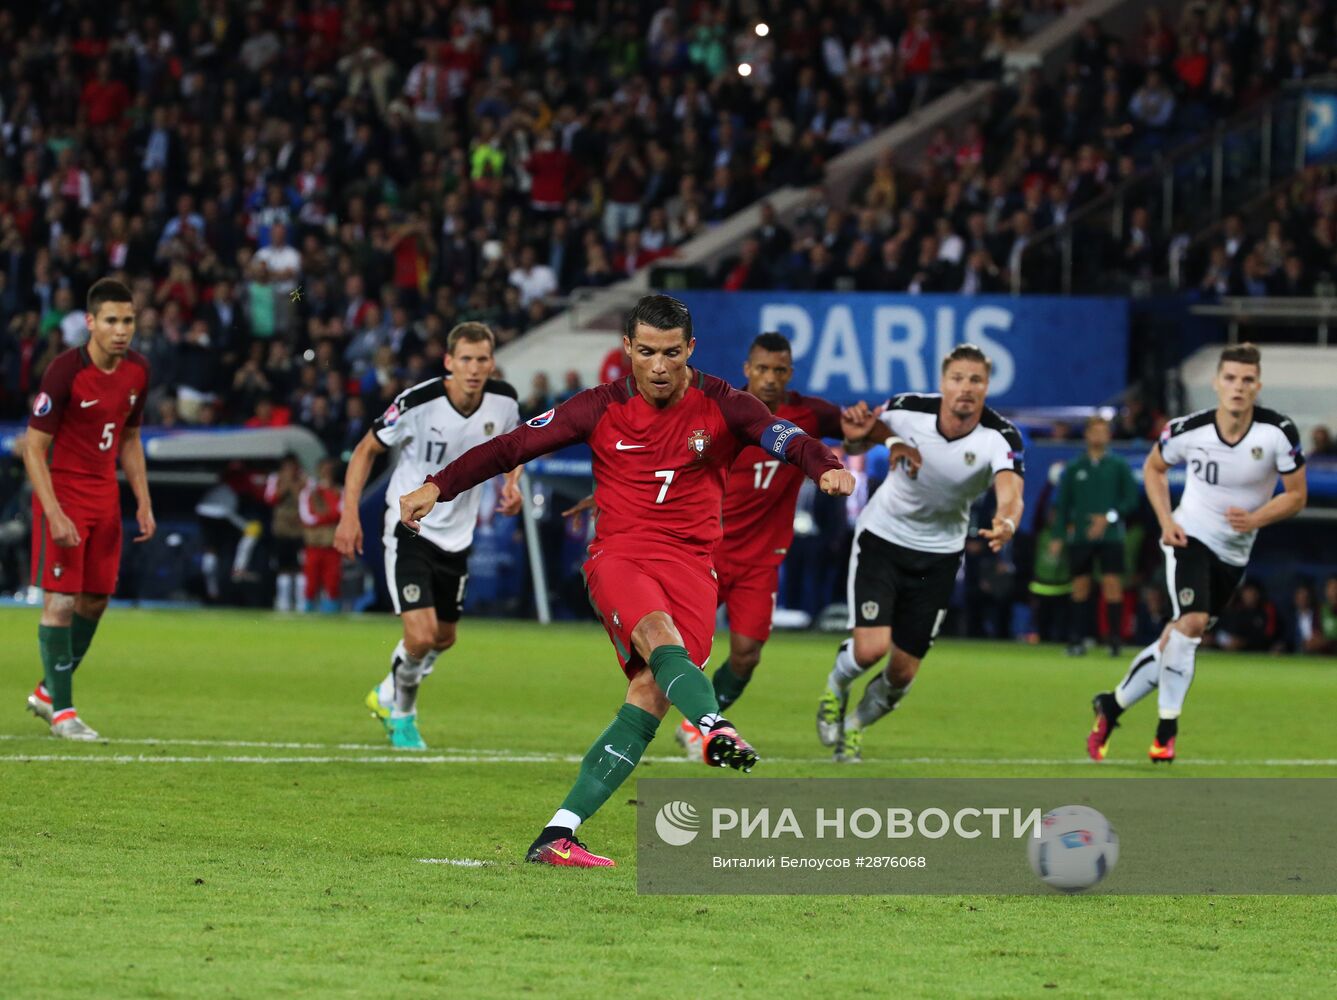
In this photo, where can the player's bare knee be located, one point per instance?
(419, 637)
(1193, 624)
(1081, 588)
(902, 668)
(91, 605)
(1112, 588)
(445, 636)
(57, 609)
(654, 630)
(745, 661)
(868, 651)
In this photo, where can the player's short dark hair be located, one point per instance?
(106, 290)
(660, 312)
(1245, 354)
(967, 352)
(470, 333)
(777, 343)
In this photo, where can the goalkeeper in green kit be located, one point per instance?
(1096, 496)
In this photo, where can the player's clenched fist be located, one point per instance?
(413, 507)
(837, 482)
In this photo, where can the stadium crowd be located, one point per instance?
(307, 196)
(962, 217)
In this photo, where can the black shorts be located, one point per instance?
(420, 575)
(1082, 557)
(1199, 580)
(287, 554)
(890, 585)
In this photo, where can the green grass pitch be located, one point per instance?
(269, 845)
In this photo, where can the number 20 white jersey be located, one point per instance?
(431, 434)
(1220, 475)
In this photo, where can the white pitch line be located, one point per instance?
(502, 757)
(491, 755)
(457, 862)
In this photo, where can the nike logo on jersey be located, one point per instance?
(86, 403)
(622, 446)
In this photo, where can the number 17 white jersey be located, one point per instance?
(1221, 476)
(431, 434)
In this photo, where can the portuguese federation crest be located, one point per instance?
(698, 443)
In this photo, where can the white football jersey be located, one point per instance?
(1220, 475)
(430, 434)
(931, 511)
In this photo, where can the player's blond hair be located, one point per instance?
(471, 333)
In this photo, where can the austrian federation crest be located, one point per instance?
(1257, 453)
(698, 443)
(489, 427)
(969, 457)
(869, 610)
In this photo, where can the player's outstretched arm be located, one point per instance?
(348, 535)
(567, 424)
(1289, 502)
(137, 474)
(1007, 488)
(751, 422)
(1156, 479)
(36, 445)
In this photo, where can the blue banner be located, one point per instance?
(847, 347)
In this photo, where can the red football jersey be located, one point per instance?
(658, 473)
(762, 492)
(85, 409)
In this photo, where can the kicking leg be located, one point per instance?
(608, 762)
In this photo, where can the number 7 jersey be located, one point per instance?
(659, 473)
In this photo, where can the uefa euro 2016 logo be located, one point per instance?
(677, 824)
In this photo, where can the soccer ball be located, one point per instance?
(1076, 848)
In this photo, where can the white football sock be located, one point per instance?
(845, 671)
(408, 675)
(879, 698)
(566, 820)
(1143, 675)
(1177, 663)
(283, 592)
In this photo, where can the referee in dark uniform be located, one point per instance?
(1096, 495)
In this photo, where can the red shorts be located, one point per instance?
(91, 567)
(624, 589)
(748, 594)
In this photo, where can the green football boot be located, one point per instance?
(404, 733)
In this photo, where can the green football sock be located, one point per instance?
(81, 636)
(683, 683)
(57, 665)
(612, 757)
(728, 685)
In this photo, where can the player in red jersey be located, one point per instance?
(663, 441)
(87, 414)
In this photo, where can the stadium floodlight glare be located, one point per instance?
(763, 29)
(744, 69)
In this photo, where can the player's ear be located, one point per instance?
(691, 346)
(446, 360)
(626, 345)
